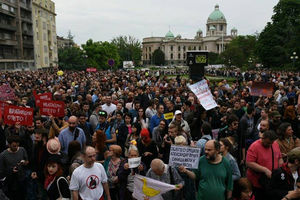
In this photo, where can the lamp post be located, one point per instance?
(294, 57)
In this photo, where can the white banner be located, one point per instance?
(147, 187)
(202, 91)
(184, 155)
(134, 162)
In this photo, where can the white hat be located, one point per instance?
(177, 112)
(53, 146)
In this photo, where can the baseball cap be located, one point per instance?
(177, 112)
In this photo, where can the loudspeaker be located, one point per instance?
(197, 60)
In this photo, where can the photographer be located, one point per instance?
(12, 163)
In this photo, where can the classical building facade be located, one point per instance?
(44, 28)
(175, 48)
(64, 42)
(16, 35)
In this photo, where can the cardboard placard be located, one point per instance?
(134, 162)
(40, 97)
(202, 91)
(54, 108)
(168, 116)
(262, 88)
(16, 114)
(184, 155)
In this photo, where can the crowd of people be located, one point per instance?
(249, 144)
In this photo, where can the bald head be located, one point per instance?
(89, 156)
(157, 166)
(72, 123)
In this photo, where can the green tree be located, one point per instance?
(98, 54)
(71, 58)
(158, 57)
(129, 49)
(281, 37)
(240, 50)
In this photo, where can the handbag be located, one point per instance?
(263, 180)
(60, 196)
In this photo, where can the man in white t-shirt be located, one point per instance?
(109, 107)
(89, 180)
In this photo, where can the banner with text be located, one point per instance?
(184, 155)
(6, 93)
(16, 114)
(2, 106)
(202, 91)
(151, 188)
(91, 69)
(40, 97)
(263, 89)
(54, 108)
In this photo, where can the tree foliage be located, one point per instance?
(98, 54)
(240, 50)
(281, 37)
(158, 57)
(71, 58)
(129, 49)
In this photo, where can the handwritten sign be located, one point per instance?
(134, 162)
(202, 91)
(16, 114)
(263, 89)
(168, 116)
(40, 97)
(6, 93)
(54, 108)
(184, 155)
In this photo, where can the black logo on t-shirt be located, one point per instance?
(92, 181)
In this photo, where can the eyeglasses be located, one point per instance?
(102, 113)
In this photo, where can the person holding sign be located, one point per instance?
(214, 173)
(126, 174)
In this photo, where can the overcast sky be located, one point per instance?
(102, 20)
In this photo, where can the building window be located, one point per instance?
(44, 25)
(194, 47)
(44, 36)
(171, 56)
(146, 56)
(221, 27)
(46, 60)
(179, 56)
(178, 48)
(205, 47)
(183, 55)
(45, 48)
(37, 35)
(183, 48)
(149, 56)
(199, 47)
(5, 7)
(150, 49)
(171, 48)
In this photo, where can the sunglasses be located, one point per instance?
(102, 113)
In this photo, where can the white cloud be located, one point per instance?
(102, 20)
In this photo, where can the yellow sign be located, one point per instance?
(200, 59)
(168, 116)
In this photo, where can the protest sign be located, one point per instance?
(168, 116)
(16, 114)
(54, 108)
(6, 92)
(40, 97)
(184, 155)
(2, 105)
(91, 69)
(134, 162)
(202, 91)
(147, 187)
(262, 88)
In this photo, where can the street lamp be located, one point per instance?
(294, 57)
(250, 62)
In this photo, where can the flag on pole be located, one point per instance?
(147, 187)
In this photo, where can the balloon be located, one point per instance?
(60, 73)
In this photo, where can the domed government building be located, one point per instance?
(175, 48)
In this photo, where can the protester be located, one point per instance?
(242, 190)
(214, 173)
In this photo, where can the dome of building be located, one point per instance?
(169, 35)
(234, 29)
(216, 14)
(199, 31)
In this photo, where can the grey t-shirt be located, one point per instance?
(8, 160)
